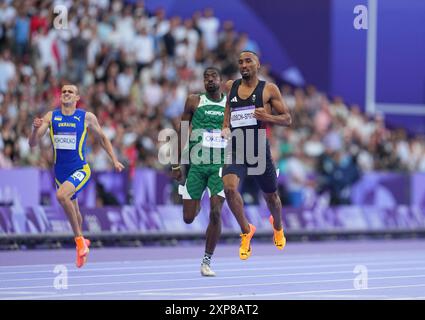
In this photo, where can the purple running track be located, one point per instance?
(372, 269)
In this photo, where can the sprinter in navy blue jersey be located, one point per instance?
(251, 104)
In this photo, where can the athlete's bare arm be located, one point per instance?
(189, 108)
(93, 124)
(40, 126)
(273, 98)
(226, 121)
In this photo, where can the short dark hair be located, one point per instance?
(249, 51)
(214, 69)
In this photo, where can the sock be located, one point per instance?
(207, 258)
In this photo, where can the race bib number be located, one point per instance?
(213, 139)
(243, 117)
(78, 175)
(65, 141)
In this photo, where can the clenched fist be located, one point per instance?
(261, 114)
(37, 123)
(177, 174)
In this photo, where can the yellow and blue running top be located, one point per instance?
(69, 135)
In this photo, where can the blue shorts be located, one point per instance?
(79, 179)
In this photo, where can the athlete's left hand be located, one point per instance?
(177, 174)
(261, 114)
(118, 166)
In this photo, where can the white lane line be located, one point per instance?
(27, 292)
(98, 293)
(172, 293)
(342, 296)
(166, 265)
(34, 255)
(274, 294)
(408, 298)
(287, 258)
(189, 269)
(350, 271)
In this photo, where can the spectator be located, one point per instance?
(124, 81)
(135, 70)
(338, 171)
(7, 71)
(143, 49)
(297, 178)
(78, 52)
(22, 34)
(209, 25)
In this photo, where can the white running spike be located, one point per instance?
(206, 270)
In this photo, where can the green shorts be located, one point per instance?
(198, 178)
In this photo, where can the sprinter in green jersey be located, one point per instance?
(204, 113)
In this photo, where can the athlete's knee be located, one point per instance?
(61, 196)
(190, 210)
(188, 217)
(231, 185)
(272, 198)
(230, 190)
(215, 215)
(188, 220)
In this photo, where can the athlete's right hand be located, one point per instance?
(37, 123)
(226, 133)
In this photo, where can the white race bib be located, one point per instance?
(243, 117)
(213, 139)
(65, 141)
(78, 175)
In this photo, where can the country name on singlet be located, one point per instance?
(67, 124)
(214, 113)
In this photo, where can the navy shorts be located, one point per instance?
(266, 179)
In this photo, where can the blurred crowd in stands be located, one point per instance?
(134, 69)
